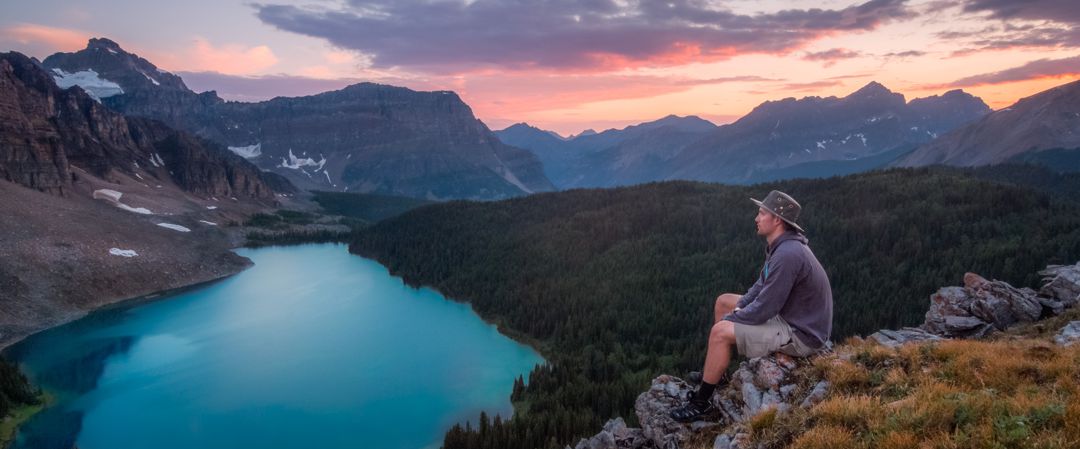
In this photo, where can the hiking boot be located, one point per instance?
(694, 410)
(693, 378)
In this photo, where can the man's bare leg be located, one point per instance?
(725, 303)
(717, 359)
(718, 356)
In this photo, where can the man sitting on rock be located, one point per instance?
(788, 309)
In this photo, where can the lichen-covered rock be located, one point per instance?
(895, 338)
(1069, 335)
(1062, 282)
(614, 435)
(757, 385)
(981, 306)
(817, 394)
(653, 409)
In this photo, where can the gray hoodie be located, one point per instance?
(792, 284)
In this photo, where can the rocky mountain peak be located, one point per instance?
(691, 123)
(875, 91)
(102, 63)
(587, 132)
(102, 43)
(872, 88)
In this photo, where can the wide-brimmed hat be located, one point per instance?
(784, 206)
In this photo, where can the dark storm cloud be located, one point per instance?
(565, 34)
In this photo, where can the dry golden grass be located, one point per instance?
(824, 437)
(1015, 391)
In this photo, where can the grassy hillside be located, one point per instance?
(953, 394)
(617, 285)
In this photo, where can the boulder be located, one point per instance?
(895, 338)
(758, 384)
(1069, 334)
(653, 409)
(614, 435)
(981, 306)
(1062, 282)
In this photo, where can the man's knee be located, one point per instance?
(722, 332)
(726, 302)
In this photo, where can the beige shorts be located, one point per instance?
(769, 337)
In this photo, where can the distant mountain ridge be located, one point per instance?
(788, 138)
(363, 138)
(630, 155)
(780, 134)
(1048, 120)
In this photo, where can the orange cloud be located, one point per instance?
(231, 59)
(513, 96)
(46, 39)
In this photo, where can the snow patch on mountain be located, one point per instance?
(248, 152)
(296, 163)
(123, 252)
(89, 80)
(113, 197)
(174, 227)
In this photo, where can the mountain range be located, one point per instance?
(631, 155)
(1044, 124)
(364, 138)
(778, 139)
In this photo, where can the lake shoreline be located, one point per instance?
(142, 299)
(122, 302)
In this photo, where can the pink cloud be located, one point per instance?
(1063, 68)
(42, 39)
(231, 59)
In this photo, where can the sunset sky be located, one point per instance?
(571, 65)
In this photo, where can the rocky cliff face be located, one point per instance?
(48, 132)
(364, 138)
(33, 154)
(1044, 121)
(778, 384)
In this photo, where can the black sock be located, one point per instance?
(704, 392)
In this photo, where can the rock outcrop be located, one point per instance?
(1069, 334)
(981, 307)
(975, 310)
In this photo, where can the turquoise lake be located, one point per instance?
(311, 347)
